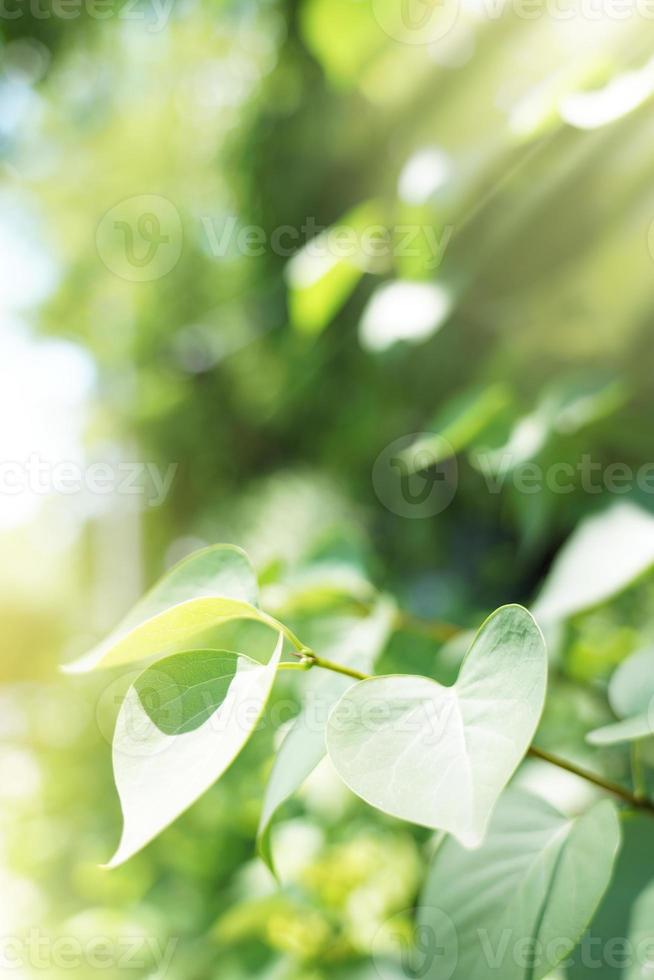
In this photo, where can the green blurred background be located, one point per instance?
(492, 170)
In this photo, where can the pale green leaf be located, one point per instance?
(210, 587)
(631, 695)
(179, 728)
(517, 906)
(440, 756)
(631, 687)
(353, 643)
(603, 556)
(628, 730)
(321, 585)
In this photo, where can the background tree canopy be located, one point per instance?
(371, 298)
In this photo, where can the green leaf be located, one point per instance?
(641, 937)
(579, 399)
(323, 274)
(631, 695)
(356, 643)
(517, 906)
(462, 421)
(563, 408)
(601, 953)
(319, 586)
(603, 556)
(185, 689)
(210, 587)
(440, 756)
(179, 728)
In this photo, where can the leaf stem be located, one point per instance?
(311, 659)
(339, 668)
(634, 799)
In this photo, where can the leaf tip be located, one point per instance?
(122, 854)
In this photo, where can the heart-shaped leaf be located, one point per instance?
(207, 589)
(180, 726)
(631, 695)
(517, 906)
(440, 756)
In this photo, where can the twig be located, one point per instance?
(632, 798)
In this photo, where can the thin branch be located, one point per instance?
(624, 794)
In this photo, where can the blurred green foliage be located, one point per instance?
(274, 381)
